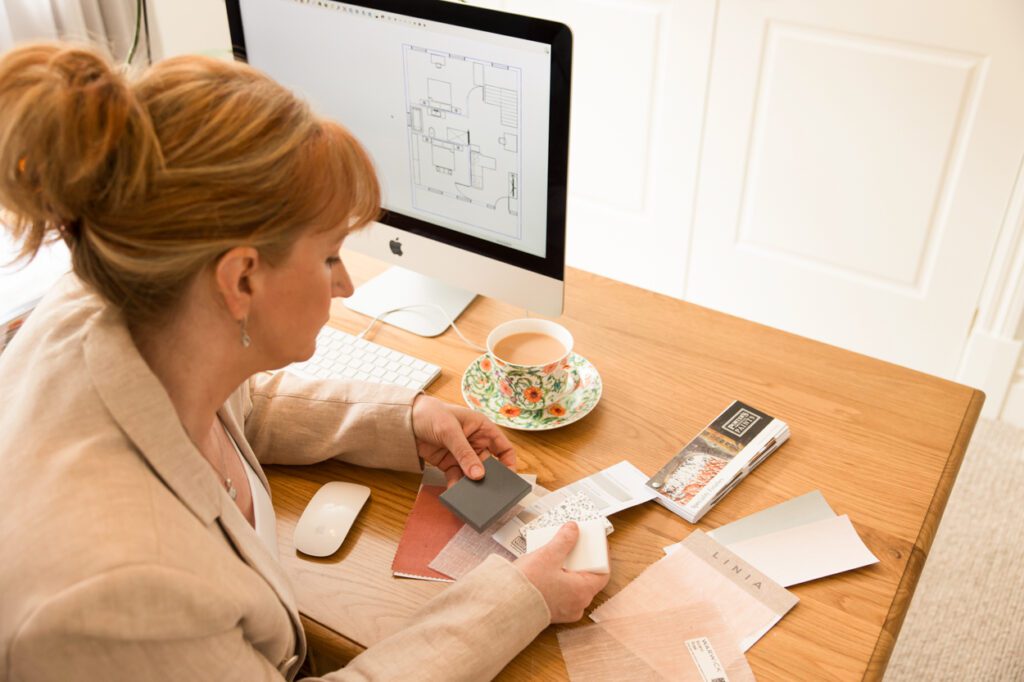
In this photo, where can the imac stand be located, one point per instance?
(397, 287)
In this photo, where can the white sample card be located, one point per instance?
(813, 550)
(591, 550)
(610, 490)
(798, 511)
(618, 487)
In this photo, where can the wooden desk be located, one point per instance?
(883, 444)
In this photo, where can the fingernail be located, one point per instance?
(477, 470)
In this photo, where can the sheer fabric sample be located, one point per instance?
(468, 549)
(703, 570)
(688, 644)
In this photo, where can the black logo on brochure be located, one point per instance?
(741, 423)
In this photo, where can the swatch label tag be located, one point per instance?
(706, 660)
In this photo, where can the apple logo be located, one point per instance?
(396, 247)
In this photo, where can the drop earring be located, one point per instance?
(246, 340)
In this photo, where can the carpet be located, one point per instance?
(966, 620)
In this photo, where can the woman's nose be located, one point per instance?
(341, 283)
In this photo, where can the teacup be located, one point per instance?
(529, 361)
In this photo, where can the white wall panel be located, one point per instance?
(612, 99)
(857, 163)
(846, 180)
(639, 78)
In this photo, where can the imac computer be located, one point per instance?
(465, 112)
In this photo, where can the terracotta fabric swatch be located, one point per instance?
(430, 527)
(671, 644)
(427, 530)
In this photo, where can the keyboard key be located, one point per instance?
(343, 356)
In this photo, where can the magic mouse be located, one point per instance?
(328, 517)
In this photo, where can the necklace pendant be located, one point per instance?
(230, 488)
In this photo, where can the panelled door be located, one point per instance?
(857, 163)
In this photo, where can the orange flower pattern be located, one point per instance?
(507, 400)
(510, 410)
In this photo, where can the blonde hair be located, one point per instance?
(151, 180)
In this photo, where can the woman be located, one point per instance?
(204, 207)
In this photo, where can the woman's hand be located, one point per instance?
(455, 439)
(567, 593)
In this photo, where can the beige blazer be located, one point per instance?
(121, 556)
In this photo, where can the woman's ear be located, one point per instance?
(233, 273)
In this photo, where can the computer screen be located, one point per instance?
(465, 112)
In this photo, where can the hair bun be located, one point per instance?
(75, 143)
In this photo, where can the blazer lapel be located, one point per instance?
(138, 402)
(140, 405)
(248, 543)
(252, 551)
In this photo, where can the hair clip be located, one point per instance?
(71, 230)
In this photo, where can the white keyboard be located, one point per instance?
(343, 356)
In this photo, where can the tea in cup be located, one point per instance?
(529, 359)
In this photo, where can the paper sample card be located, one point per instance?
(589, 554)
(610, 490)
(618, 487)
(691, 643)
(807, 552)
(717, 459)
(576, 507)
(703, 570)
(512, 534)
(798, 540)
(789, 514)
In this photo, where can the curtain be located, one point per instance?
(109, 23)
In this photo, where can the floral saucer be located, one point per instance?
(482, 393)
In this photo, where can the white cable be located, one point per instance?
(451, 322)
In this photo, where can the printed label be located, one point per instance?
(741, 422)
(706, 660)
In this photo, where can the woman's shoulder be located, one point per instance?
(57, 325)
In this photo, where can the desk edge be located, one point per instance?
(327, 649)
(919, 552)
